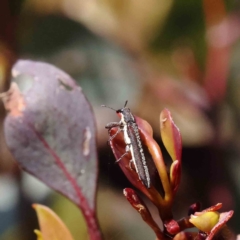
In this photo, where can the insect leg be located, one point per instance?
(112, 125)
(113, 136)
(127, 150)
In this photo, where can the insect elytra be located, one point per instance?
(133, 142)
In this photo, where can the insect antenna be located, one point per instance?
(125, 104)
(108, 107)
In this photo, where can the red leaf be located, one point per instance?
(215, 207)
(224, 217)
(141, 207)
(119, 148)
(171, 136)
(50, 131)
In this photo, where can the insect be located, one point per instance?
(133, 142)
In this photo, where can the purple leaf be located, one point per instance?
(50, 131)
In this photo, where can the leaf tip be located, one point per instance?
(164, 115)
(38, 234)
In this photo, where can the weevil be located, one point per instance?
(133, 142)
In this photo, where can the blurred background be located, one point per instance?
(183, 55)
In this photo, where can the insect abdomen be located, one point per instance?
(138, 154)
